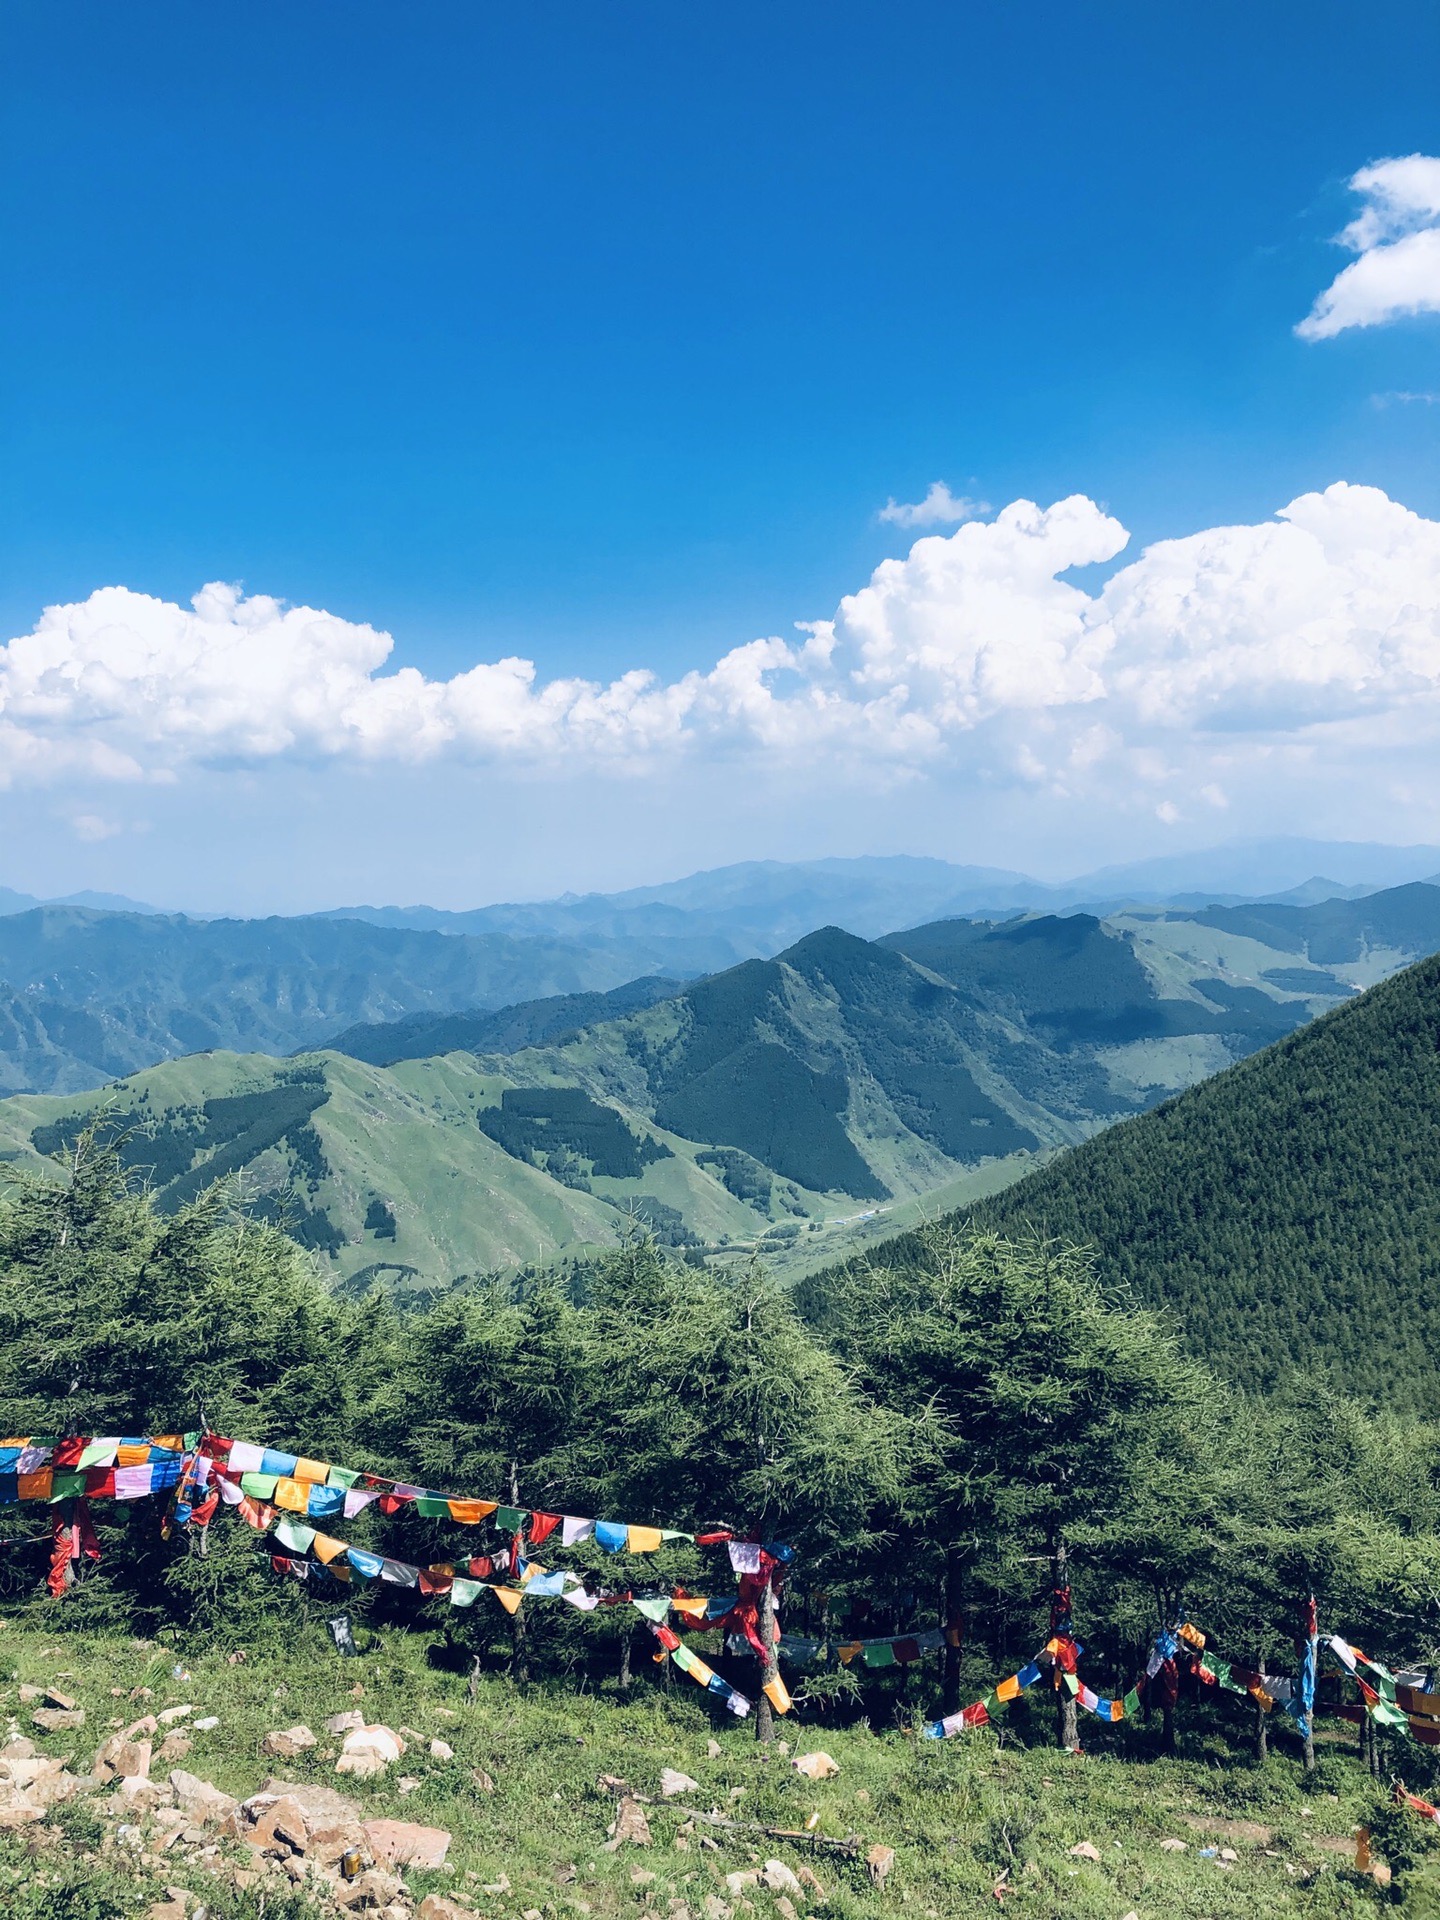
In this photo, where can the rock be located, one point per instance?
(165, 1910)
(18, 1748)
(55, 1698)
(19, 1812)
(673, 1782)
(408, 1783)
(641, 1876)
(29, 1695)
(502, 1885)
(344, 1722)
(713, 1749)
(441, 1750)
(785, 1907)
(1084, 1850)
(288, 1743)
(207, 1725)
(207, 1806)
(736, 1883)
(171, 1714)
(132, 1759)
(1132, 1915)
(436, 1907)
(816, 1766)
(878, 1862)
(631, 1826)
(282, 1826)
(373, 1888)
(141, 1729)
(1229, 1853)
(1172, 1846)
(483, 1782)
(58, 1719)
(174, 1746)
(714, 1908)
(778, 1878)
(397, 1843)
(139, 1794)
(369, 1750)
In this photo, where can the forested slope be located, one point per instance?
(1289, 1209)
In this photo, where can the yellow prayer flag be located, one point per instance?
(699, 1672)
(290, 1496)
(642, 1539)
(692, 1608)
(509, 1597)
(326, 1548)
(313, 1472)
(35, 1486)
(777, 1694)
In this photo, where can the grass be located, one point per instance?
(959, 1814)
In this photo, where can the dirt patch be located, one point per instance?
(1248, 1832)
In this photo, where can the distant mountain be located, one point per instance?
(530, 1023)
(709, 920)
(12, 902)
(89, 995)
(1288, 1210)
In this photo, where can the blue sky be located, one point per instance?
(601, 337)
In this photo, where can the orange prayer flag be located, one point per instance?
(290, 1496)
(509, 1597)
(313, 1472)
(326, 1548)
(35, 1486)
(642, 1539)
(1008, 1689)
(469, 1513)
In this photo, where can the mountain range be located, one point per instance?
(780, 1098)
(89, 994)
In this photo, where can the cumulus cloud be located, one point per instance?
(939, 508)
(1207, 663)
(1397, 238)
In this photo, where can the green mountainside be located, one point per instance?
(419, 1175)
(528, 1023)
(1288, 1210)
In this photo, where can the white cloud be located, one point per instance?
(1397, 238)
(1300, 654)
(939, 508)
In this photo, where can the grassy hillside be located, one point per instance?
(1289, 1210)
(961, 1816)
(417, 1175)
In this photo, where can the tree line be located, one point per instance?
(930, 1430)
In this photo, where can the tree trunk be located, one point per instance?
(1262, 1732)
(769, 1667)
(950, 1678)
(519, 1649)
(625, 1648)
(1067, 1730)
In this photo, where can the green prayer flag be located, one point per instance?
(432, 1507)
(882, 1654)
(508, 1519)
(1131, 1703)
(67, 1484)
(342, 1477)
(98, 1453)
(259, 1486)
(654, 1606)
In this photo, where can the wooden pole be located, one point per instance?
(769, 1665)
(1066, 1726)
(950, 1624)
